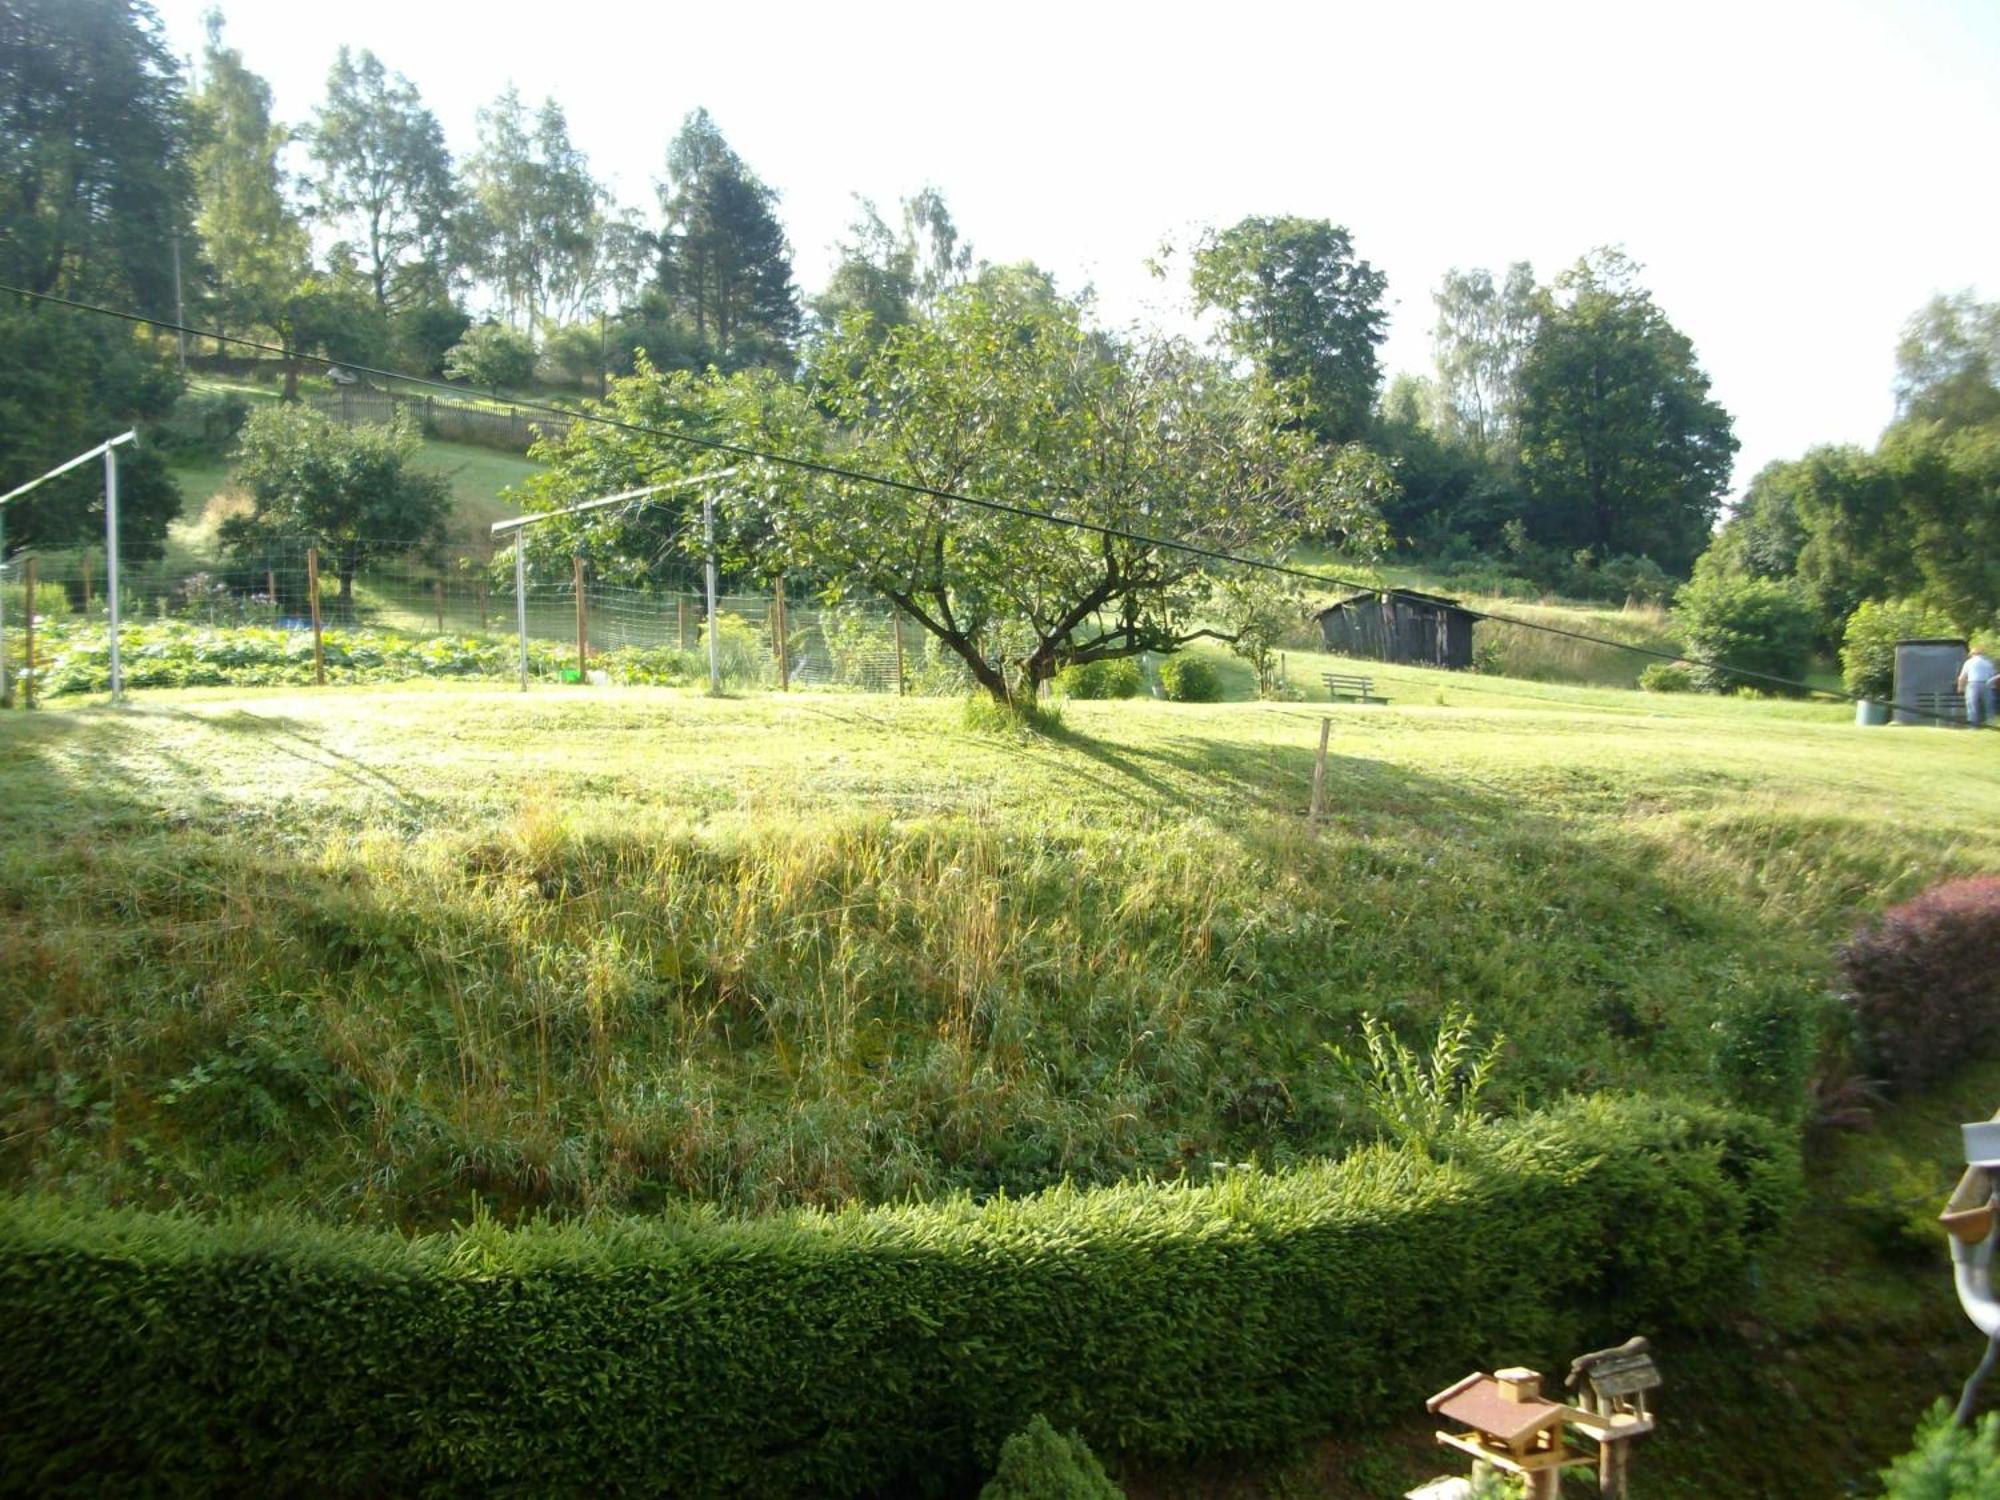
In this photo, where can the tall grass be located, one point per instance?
(1539, 656)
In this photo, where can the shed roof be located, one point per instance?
(1372, 594)
(1479, 1403)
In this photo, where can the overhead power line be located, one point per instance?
(932, 492)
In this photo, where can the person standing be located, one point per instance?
(1975, 680)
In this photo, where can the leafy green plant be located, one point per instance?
(1421, 1099)
(1735, 625)
(1039, 1463)
(1868, 643)
(742, 654)
(1189, 679)
(1667, 677)
(857, 640)
(1949, 1462)
(1117, 678)
(493, 356)
(51, 602)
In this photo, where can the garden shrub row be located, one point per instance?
(843, 1353)
(171, 654)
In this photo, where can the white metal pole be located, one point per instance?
(111, 567)
(521, 599)
(6, 696)
(714, 646)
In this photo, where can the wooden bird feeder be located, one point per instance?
(1612, 1386)
(1509, 1426)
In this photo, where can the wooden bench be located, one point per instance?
(1339, 686)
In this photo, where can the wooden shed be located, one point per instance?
(1418, 630)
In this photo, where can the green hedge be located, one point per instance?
(840, 1353)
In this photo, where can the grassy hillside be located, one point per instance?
(600, 949)
(397, 956)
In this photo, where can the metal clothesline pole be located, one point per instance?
(521, 601)
(111, 567)
(108, 449)
(714, 637)
(519, 525)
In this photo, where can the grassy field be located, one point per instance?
(382, 955)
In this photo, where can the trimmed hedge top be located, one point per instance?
(839, 1353)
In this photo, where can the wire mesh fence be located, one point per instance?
(289, 612)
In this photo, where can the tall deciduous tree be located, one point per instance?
(1004, 391)
(1294, 299)
(724, 262)
(1481, 335)
(1948, 362)
(384, 182)
(893, 276)
(94, 193)
(354, 492)
(536, 210)
(254, 243)
(875, 275)
(1622, 450)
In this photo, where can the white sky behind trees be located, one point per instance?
(1796, 176)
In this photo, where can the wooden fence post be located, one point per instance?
(271, 592)
(1319, 774)
(681, 619)
(86, 580)
(896, 624)
(312, 598)
(582, 620)
(28, 640)
(437, 598)
(783, 630)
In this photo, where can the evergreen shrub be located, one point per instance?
(1039, 1463)
(843, 1353)
(1924, 980)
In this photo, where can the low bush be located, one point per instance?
(1949, 1462)
(51, 603)
(1667, 677)
(742, 651)
(1735, 626)
(175, 654)
(202, 424)
(1120, 678)
(1868, 643)
(849, 1352)
(1189, 679)
(1039, 1463)
(985, 714)
(1924, 981)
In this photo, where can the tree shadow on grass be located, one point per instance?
(106, 766)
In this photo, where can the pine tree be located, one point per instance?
(724, 263)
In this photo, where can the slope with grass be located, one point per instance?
(385, 956)
(377, 952)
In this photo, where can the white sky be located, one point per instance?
(1797, 178)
